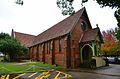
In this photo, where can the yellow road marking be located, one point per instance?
(40, 75)
(66, 75)
(46, 76)
(7, 77)
(3, 77)
(56, 77)
(32, 74)
(19, 75)
(43, 75)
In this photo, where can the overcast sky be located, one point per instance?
(35, 16)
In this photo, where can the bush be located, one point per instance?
(15, 60)
(89, 64)
(6, 59)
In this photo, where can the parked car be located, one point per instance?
(114, 60)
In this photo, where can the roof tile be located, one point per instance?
(89, 35)
(60, 29)
(26, 39)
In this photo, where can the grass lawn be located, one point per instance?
(10, 68)
(45, 65)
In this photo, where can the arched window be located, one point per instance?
(83, 25)
(60, 46)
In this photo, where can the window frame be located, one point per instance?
(83, 25)
(60, 46)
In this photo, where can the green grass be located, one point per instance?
(45, 65)
(1, 58)
(10, 68)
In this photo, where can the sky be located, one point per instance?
(36, 16)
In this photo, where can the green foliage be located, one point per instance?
(66, 7)
(110, 3)
(118, 33)
(11, 46)
(4, 35)
(117, 15)
(1, 58)
(20, 2)
(6, 59)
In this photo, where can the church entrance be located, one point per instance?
(86, 53)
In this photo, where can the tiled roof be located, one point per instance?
(62, 28)
(89, 35)
(25, 39)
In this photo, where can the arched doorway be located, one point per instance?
(86, 52)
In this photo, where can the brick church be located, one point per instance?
(68, 43)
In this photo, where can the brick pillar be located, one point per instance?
(73, 62)
(43, 53)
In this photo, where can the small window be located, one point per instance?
(47, 48)
(83, 25)
(60, 46)
(35, 49)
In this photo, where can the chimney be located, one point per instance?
(12, 33)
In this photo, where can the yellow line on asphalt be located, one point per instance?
(56, 77)
(32, 74)
(66, 75)
(19, 75)
(3, 77)
(7, 77)
(40, 75)
(43, 75)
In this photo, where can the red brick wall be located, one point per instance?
(51, 56)
(60, 57)
(75, 37)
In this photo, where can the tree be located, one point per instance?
(67, 8)
(11, 46)
(117, 30)
(117, 15)
(111, 46)
(20, 2)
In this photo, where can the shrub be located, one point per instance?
(89, 64)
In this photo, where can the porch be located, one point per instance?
(90, 48)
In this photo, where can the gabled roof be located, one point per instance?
(62, 28)
(25, 39)
(90, 35)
